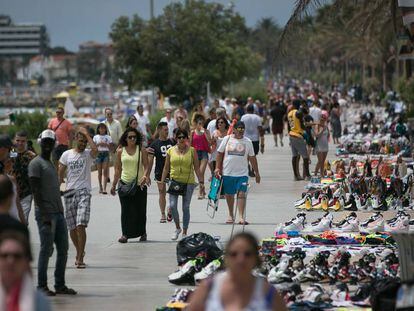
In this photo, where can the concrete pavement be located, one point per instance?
(133, 276)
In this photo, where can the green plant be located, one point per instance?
(155, 119)
(33, 123)
(406, 89)
(250, 88)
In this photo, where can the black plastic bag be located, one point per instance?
(189, 247)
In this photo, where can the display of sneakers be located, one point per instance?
(348, 224)
(322, 224)
(185, 274)
(208, 270)
(180, 299)
(400, 222)
(295, 224)
(375, 223)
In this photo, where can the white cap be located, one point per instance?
(48, 134)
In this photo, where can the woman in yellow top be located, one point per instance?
(134, 207)
(180, 164)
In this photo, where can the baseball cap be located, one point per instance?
(48, 134)
(5, 141)
(239, 124)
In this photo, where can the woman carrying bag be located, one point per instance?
(130, 170)
(180, 164)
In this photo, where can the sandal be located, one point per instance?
(229, 221)
(123, 239)
(243, 222)
(81, 265)
(104, 192)
(163, 220)
(65, 291)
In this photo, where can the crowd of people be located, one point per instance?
(188, 147)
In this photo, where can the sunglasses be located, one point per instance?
(181, 137)
(59, 112)
(240, 129)
(15, 256)
(246, 254)
(132, 137)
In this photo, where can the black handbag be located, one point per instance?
(179, 188)
(129, 189)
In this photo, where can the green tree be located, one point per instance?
(184, 48)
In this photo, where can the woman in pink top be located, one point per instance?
(201, 141)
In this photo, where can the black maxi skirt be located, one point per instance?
(134, 214)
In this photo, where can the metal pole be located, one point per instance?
(151, 9)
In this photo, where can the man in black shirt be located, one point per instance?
(158, 149)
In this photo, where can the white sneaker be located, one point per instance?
(176, 234)
(348, 224)
(322, 224)
(184, 236)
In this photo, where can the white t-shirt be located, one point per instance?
(252, 122)
(171, 126)
(229, 108)
(315, 113)
(236, 153)
(211, 126)
(143, 121)
(78, 169)
(99, 139)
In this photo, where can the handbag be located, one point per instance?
(129, 189)
(179, 188)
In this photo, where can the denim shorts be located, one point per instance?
(102, 157)
(202, 155)
(232, 185)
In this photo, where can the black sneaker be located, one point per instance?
(45, 290)
(362, 294)
(65, 291)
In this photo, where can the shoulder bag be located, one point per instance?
(130, 189)
(179, 188)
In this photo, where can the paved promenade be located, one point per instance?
(134, 276)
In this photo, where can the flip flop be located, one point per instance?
(104, 192)
(81, 265)
(241, 222)
(163, 220)
(229, 221)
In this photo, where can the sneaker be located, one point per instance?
(348, 224)
(400, 223)
(184, 235)
(176, 234)
(322, 224)
(373, 224)
(185, 274)
(208, 270)
(46, 291)
(295, 224)
(362, 294)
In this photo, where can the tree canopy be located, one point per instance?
(184, 48)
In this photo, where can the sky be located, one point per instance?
(70, 23)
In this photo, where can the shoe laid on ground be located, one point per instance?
(322, 224)
(296, 224)
(348, 224)
(46, 291)
(123, 239)
(185, 274)
(400, 223)
(400, 214)
(65, 291)
(176, 234)
(208, 270)
(373, 224)
(362, 294)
